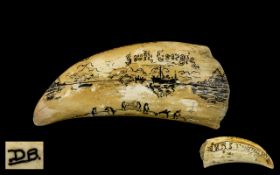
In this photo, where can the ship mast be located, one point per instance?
(160, 72)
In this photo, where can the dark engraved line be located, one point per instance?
(214, 89)
(177, 114)
(220, 146)
(161, 83)
(18, 160)
(85, 65)
(128, 58)
(173, 58)
(110, 110)
(166, 112)
(136, 106)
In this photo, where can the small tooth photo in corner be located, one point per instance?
(221, 150)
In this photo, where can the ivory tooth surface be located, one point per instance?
(167, 80)
(221, 150)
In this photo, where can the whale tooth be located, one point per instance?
(221, 150)
(167, 80)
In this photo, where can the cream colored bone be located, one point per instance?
(167, 80)
(221, 150)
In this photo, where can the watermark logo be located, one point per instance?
(24, 155)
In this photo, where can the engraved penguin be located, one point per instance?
(146, 108)
(93, 111)
(177, 114)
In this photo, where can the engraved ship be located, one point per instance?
(161, 79)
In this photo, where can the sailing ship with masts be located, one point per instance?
(163, 79)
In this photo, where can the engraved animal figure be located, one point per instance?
(146, 108)
(133, 105)
(93, 111)
(109, 110)
(166, 112)
(177, 114)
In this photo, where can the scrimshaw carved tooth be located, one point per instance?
(167, 80)
(221, 150)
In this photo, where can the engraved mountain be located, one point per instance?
(161, 79)
(147, 72)
(129, 74)
(214, 89)
(84, 73)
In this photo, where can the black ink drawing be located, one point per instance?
(146, 108)
(165, 112)
(137, 107)
(145, 56)
(162, 80)
(163, 85)
(110, 110)
(133, 105)
(53, 90)
(20, 156)
(214, 89)
(221, 146)
(106, 111)
(177, 114)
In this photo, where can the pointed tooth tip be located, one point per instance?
(270, 163)
(37, 121)
(38, 115)
(41, 119)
